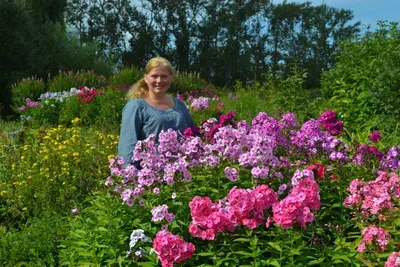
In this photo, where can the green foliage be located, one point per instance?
(363, 86)
(30, 88)
(99, 234)
(186, 82)
(34, 244)
(64, 81)
(125, 76)
(276, 96)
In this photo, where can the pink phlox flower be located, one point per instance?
(393, 260)
(171, 249)
(375, 196)
(375, 136)
(373, 235)
(288, 120)
(200, 103)
(297, 206)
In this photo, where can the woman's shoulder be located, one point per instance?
(135, 104)
(179, 102)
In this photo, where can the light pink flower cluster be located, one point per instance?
(160, 213)
(231, 173)
(297, 206)
(171, 249)
(375, 196)
(375, 236)
(200, 103)
(242, 207)
(393, 260)
(29, 104)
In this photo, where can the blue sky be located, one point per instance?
(365, 11)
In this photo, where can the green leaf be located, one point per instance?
(275, 246)
(81, 243)
(146, 264)
(273, 262)
(205, 254)
(243, 253)
(241, 240)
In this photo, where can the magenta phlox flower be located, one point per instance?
(265, 125)
(171, 249)
(393, 260)
(330, 122)
(366, 153)
(375, 136)
(191, 131)
(374, 235)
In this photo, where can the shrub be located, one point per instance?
(30, 88)
(54, 168)
(64, 81)
(125, 77)
(363, 86)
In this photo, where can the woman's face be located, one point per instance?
(158, 80)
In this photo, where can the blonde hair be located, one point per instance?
(140, 89)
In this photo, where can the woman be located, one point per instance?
(150, 110)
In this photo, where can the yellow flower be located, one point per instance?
(76, 121)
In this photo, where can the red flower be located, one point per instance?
(318, 169)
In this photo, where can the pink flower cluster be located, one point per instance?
(366, 153)
(187, 96)
(200, 103)
(242, 207)
(211, 126)
(375, 136)
(393, 260)
(29, 104)
(297, 206)
(170, 158)
(375, 196)
(375, 236)
(160, 213)
(331, 123)
(171, 248)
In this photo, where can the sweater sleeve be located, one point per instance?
(188, 117)
(132, 121)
